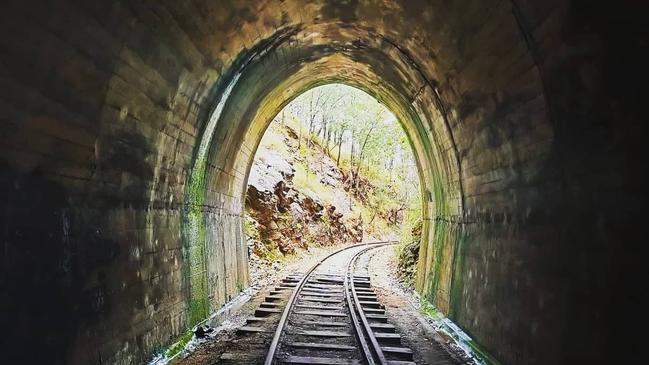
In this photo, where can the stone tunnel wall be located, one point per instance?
(116, 238)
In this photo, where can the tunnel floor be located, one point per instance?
(245, 333)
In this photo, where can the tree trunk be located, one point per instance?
(360, 154)
(372, 220)
(328, 141)
(340, 144)
(351, 154)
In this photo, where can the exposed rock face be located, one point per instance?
(270, 168)
(286, 218)
(409, 255)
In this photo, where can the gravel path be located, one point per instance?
(402, 309)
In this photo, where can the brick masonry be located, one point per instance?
(120, 231)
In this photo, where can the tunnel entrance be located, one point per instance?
(334, 167)
(244, 104)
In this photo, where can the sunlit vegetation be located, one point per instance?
(349, 152)
(366, 141)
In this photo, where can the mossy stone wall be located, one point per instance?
(122, 195)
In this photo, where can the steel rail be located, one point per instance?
(359, 308)
(358, 330)
(270, 355)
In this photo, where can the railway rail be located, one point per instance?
(333, 317)
(328, 314)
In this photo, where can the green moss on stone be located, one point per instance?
(457, 283)
(430, 310)
(462, 338)
(194, 240)
(482, 354)
(179, 345)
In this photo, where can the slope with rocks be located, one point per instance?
(297, 196)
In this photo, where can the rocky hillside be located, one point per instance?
(297, 197)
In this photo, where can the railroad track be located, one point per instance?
(326, 315)
(333, 317)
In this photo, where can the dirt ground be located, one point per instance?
(401, 307)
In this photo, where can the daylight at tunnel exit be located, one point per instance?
(377, 182)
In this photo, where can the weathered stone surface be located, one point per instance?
(285, 217)
(121, 202)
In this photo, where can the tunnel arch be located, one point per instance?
(272, 70)
(255, 95)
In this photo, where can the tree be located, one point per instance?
(367, 141)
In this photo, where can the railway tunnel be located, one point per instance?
(129, 128)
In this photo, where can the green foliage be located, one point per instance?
(308, 182)
(369, 138)
(275, 254)
(179, 345)
(368, 144)
(430, 310)
(250, 228)
(408, 249)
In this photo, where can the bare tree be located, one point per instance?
(361, 154)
